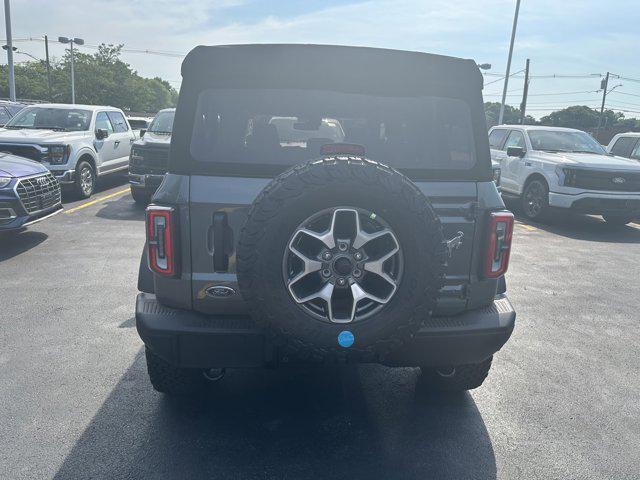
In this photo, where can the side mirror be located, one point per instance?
(142, 132)
(515, 152)
(102, 133)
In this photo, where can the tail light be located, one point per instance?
(500, 232)
(161, 240)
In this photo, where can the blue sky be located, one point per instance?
(560, 37)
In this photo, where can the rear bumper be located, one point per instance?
(189, 339)
(597, 203)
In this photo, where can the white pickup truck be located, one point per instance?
(77, 143)
(553, 167)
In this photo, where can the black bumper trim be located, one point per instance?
(190, 339)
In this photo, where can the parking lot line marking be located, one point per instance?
(97, 200)
(527, 227)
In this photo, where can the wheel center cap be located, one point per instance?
(343, 266)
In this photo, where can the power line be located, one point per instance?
(552, 93)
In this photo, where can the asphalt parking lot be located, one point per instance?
(562, 400)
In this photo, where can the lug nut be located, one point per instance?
(326, 272)
(343, 247)
(341, 282)
(357, 273)
(327, 256)
(357, 256)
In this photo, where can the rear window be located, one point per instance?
(287, 127)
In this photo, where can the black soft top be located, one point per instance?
(374, 70)
(358, 70)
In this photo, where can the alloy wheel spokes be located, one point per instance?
(340, 271)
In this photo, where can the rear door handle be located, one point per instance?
(222, 242)
(116, 143)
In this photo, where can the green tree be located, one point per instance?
(585, 118)
(511, 115)
(101, 78)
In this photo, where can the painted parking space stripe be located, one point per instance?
(97, 200)
(526, 227)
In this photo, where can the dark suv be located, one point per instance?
(325, 204)
(150, 156)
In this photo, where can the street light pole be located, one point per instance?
(71, 41)
(73, 77)
(506, 76)
(12, 78)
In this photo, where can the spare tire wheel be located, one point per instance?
(341, 255)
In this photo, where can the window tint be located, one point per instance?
(496, 138)
(287, 127)
(4, 116)
(636, 151)
(118, 122)
(623, 146)
(103, 122)
(516, 139)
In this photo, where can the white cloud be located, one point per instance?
(576, 36)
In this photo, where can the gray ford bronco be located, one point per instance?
(323, 205)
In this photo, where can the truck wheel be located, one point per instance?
(535, 200)
(618, 220)
(85, 179)
(140, 196)
(341, 257)
(456, 379)
(171, 380)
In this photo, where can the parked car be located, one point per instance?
(78, 143)
(28, 192)
(387, 246)
(553, 167)
(8, 110)
(625, 145)
(150, 156)
(139, 125)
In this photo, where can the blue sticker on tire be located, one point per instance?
(346, 339)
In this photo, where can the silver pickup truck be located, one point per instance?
(77, 143)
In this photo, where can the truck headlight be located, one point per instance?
(58, 154)
(136, 157)
(566, 176)
(4, 181)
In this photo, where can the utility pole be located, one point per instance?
(604, 85)
(525, 92)
(12, 78)
(46, 52)
(506, 76)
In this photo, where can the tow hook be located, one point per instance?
(454, 243)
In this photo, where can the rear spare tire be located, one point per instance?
(341, 255)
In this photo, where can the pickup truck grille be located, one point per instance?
(155, 157)
(38, 193)
(22, 151)
(607, 181)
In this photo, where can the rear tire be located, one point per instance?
(85, 182)
(618, 220)
(535, 200)
(140, 196)
(456, 379)
(171, 380)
